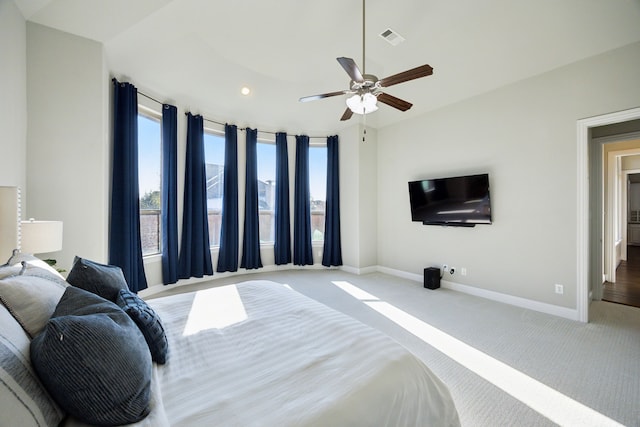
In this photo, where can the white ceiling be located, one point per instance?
(199, 53)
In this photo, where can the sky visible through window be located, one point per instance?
(150, 159)
(266, 161)
(318, 172)
(214, 148)
(149, 155)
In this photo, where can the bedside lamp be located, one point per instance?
(39, 237)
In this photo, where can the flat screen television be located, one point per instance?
(462, 201)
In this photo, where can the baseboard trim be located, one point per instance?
(542, 307)
(359, 271)
(400, 273)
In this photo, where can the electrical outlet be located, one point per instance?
(445, 268)
(452, 270)
(463, 271)
(559, 289)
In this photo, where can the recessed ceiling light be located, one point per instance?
(245, 90)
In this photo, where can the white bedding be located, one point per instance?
(261, 354)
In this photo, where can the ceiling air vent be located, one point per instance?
(392, 37)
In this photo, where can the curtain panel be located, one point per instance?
(302, 250)
(332, 251)
(251, 236)
(125, 247)
(195, 255)
(282, 245)
(169, 194)
(228, 253)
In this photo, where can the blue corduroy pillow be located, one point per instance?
(148, 322)
(94, 360)
(100, 279)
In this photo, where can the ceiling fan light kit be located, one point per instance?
(362, 104)
(366, 89)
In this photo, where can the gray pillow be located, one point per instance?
(101, 279)
(31, 299)
(94, 360)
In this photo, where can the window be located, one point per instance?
(149, 179)
(214, 165)
(317, 190)
(267, 190)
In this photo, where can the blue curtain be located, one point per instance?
(125, 247)
(251, 236)
(302, 251)
(195, 255)
(169, 197)
(332, 251)
(228, 254)
(282, 246)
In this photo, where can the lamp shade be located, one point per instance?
(362, 104)
(39, 237)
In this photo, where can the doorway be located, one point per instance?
(623, 287)
(586, 237)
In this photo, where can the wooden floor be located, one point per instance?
(626, 290)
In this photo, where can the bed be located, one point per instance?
(255, 353)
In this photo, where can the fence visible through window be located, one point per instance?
(150, 231)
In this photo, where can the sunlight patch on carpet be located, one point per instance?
(547, 401)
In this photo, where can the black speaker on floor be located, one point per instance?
(432, 278)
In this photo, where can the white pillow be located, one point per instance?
(23, 399)
(18, 258)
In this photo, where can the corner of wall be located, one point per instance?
(13, 102)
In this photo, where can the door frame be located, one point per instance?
(625, 211)
(583, 139)
(616, 209)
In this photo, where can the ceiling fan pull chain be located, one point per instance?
(364, 127)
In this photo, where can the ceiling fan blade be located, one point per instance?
(347, 115)
(351, 68)
(321, 96)
(414, 73)
(394, 102)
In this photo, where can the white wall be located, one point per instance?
(13, 97)
(524, 136)
(67, 142)
(358, 198)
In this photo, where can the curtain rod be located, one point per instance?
(261, 131)
(151, 98)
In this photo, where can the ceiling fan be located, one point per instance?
(366, 89)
